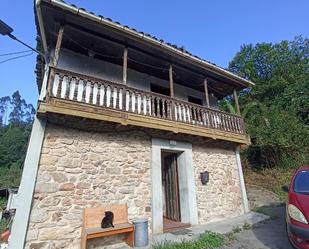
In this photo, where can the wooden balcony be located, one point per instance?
(74, 94)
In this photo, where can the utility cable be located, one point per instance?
(19, 52)
(17, 57)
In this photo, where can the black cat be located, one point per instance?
(108, 220)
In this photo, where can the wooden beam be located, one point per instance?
(236, 102)
(206, 92)
(58, 46)
(125, 65)
(171, 81)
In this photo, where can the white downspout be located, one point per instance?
(22, 201)
(242, 182)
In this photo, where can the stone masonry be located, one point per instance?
(221, 197)
(83, 169)
(80, 169)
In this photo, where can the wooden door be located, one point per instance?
(171, 188)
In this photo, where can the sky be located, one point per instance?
(213, 30)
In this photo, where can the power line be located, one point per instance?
(19, 52)
(17, 57)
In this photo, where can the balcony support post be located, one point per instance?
(236, 102)
(171, 81)
(172, 91)
(58, 46)
(125, 65)
(206, 92)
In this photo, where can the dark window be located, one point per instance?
(195, 100)
(160, 89)
(301, 182)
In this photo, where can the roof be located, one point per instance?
(142, 35)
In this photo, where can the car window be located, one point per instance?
(301, 182)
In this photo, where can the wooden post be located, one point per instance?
(58, 46)
(206, 92)
(236, 102)
(172, 92)
(125, 65)
(171, 81)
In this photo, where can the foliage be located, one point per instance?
(15, 128)
(272, 179)
(276, 110)
(206, 240)
(15, 109)
(2, 203)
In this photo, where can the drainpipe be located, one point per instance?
(22, 201)
(242, 181)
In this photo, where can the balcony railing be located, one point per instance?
(101, 93)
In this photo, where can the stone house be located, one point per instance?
(124, 117)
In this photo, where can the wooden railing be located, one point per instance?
(80, 88)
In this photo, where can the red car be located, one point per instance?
(297, 209)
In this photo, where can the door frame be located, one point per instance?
(187, 193)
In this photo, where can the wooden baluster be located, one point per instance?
(238, 125)
(75, 90)
(194, 114)
(190, 114)
(211, 120)
(227, 122)
(144, 104)
(98, 93)
(158, 107)
(136, 101)
(242, 127)
(128, 101)
(68, 87)
(91, 92)
(153, 106)
(232, 123)
(105, 88)
(223, 121)
(110, 102)
(187, 114)
(115, 98)
(123, 99)
(58, 95)
(163, 108)
(202, 117)
(84, 84)
(168, 109)
(199, 118)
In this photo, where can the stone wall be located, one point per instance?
(85, 169)
(221, 197)
(81, 169)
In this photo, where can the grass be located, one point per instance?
(207, 240)
(272, 179)
(247, 226)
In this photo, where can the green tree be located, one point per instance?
(277, 107)
(14, 136)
